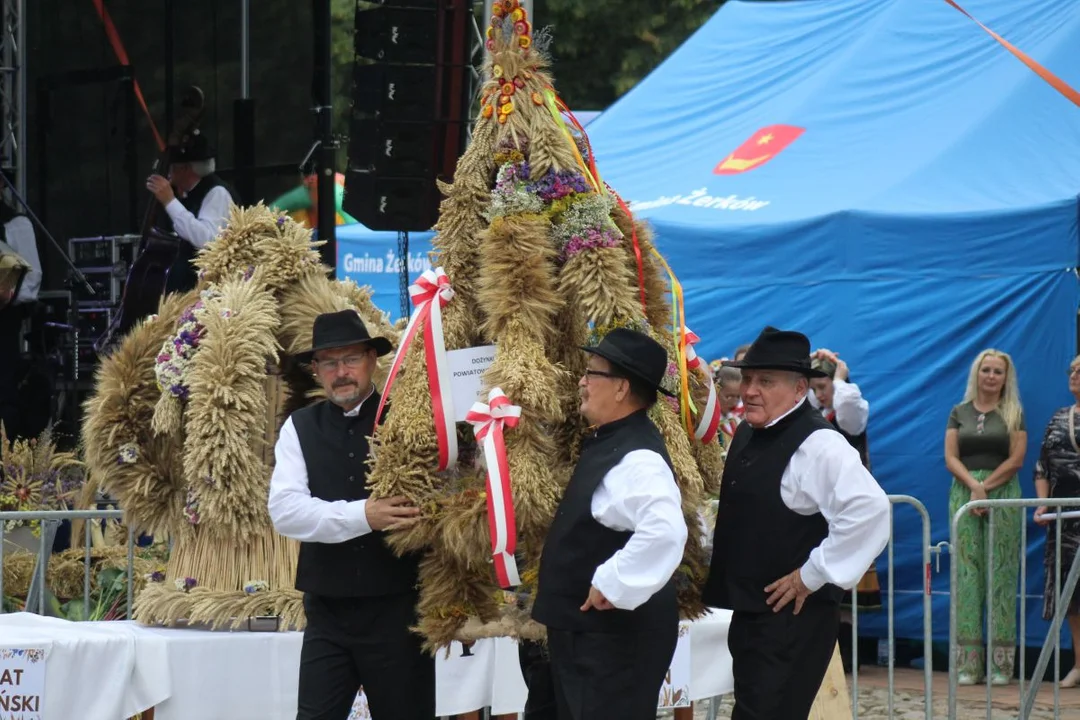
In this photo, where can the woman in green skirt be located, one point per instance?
(984, 449)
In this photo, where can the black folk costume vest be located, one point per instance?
(577, 544)
(335, 449)
(758, 539)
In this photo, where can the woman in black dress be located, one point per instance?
(1057, 475)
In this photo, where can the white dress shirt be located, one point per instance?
(852, 410)
(298, 515)
(213, 214)
(826, 475)
(21, 239)
(639, 495)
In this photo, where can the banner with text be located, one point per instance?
(373, 259)
(22, 683)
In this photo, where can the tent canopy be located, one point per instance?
(884, 176)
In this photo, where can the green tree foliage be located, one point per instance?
(603, 48)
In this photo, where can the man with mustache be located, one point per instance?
(359, 598)
(605, 588)
(799, 519)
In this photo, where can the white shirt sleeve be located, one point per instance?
(826, 475)
(639, 495)
(21, 238)
(213, 214)
(852, 410)
(295, 513)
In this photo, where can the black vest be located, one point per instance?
(182, 274)
(758, 539)
(335, 449)
(577, 544)
(858, 442)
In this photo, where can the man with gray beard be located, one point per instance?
(359, 598)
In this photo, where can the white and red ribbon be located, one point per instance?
(710, 417)
(488, 421)
(432, 285)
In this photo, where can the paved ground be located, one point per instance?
(909, 701)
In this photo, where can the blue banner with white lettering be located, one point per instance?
(373, 259)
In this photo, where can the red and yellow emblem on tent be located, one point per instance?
(762, 146)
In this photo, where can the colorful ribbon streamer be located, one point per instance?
(488, 421)
(431, 285)
(709, 421)
(637, 249)
(121, 54)
(1053, 80)
(678, 329)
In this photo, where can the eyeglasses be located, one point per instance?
(1074, 371)
(351, 362)
(600, 373)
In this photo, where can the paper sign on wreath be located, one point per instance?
(467, 367)
(22, 683)
(360, 709)
(675, 692)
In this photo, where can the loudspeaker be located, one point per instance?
(409, 109)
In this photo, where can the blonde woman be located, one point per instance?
(984, 449)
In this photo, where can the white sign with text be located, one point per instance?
(467, 368)
(22, 683)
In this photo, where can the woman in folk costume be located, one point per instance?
(984, 448)
(728, 380)
(843, 405)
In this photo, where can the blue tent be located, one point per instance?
(884, 176)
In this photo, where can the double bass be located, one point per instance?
(158, 249)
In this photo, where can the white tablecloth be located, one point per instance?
(189, 673)
(228, 675)
(97, 671)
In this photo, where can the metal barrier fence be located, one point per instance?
(49, 520)
(1053, 637)
(928, 636)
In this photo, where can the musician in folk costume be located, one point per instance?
(197, 202)
(20, 280)
(799, 519)
(605, 590)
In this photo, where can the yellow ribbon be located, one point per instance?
(678, 328)
(552, 102)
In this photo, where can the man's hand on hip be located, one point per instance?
(596, 601)
(392, 513)
(788, 588)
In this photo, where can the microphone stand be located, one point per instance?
(75, 279)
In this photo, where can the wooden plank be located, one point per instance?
(832, 701)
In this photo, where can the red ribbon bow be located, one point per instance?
(432, 285)
(488, 421)
(709, 421)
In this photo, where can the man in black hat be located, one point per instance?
(605, 588)
(202, 208)
(799, 519)
(359, 598)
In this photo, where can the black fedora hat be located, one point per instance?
(636, 354)
(341, 329)
(191, 148)
(779, 350)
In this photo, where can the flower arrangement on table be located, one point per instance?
(37, 477)
(184, 414)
